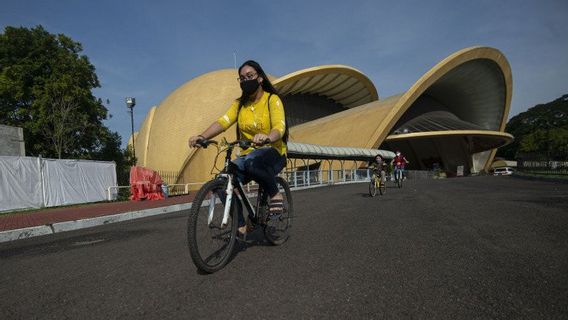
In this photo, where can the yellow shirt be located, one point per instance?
(258, 117)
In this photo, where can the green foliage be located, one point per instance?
(558, 139)
(123, 170)
(46, 88)
(540, 132)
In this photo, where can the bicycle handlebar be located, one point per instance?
(205, 143)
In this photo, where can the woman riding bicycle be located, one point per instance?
(259, 114)
(379, 167)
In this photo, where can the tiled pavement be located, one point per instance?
(48, 217)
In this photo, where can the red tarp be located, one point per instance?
(145, 184)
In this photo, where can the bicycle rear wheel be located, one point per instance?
(210, 243)
(372, 187)
(277, 230)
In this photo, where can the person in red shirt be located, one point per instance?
(398, 163)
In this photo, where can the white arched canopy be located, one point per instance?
(313, 151)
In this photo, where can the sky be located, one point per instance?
(147, 49)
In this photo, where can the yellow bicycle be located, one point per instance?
(377, 183)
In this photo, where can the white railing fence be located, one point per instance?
(296, 180)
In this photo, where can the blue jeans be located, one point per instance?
(261, 165)
(401, 169)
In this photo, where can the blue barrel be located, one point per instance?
(165, 190)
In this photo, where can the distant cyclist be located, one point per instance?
(259, 114)
(379, 167)
(399, 162)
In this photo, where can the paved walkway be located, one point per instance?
(463, 248)
(17, 225)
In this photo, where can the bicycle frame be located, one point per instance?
(376, 179)
(211, 242)
(228, 173)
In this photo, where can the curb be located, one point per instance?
(16, 234)
(24, 233)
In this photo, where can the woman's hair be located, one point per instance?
(266, 84)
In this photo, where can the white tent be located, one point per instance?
(27, 182)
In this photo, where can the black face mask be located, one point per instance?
(249, 86)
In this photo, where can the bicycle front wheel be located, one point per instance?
(372, 187)
(399, 178)
(277, 230)
(210, 242)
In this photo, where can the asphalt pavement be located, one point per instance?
(462, 248)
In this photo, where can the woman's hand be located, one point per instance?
(260, 138)
(193, 141)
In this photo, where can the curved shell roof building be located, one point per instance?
(453, 116)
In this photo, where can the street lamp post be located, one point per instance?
(130, 103)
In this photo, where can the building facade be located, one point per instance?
(453, 117)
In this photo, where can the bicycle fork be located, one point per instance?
(229, 199)
(227, 208)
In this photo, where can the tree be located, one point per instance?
(534, 143)
(110, 150)
(558, 145)
(46, 88)
(540, 132)
(63, 124)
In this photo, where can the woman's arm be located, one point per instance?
(214, 129)
(222, 124)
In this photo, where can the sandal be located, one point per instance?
(275, 208)
(244, 229)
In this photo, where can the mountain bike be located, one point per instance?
(377, 183)
(214, 215)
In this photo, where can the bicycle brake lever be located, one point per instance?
(245, 144)
(203, 143)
